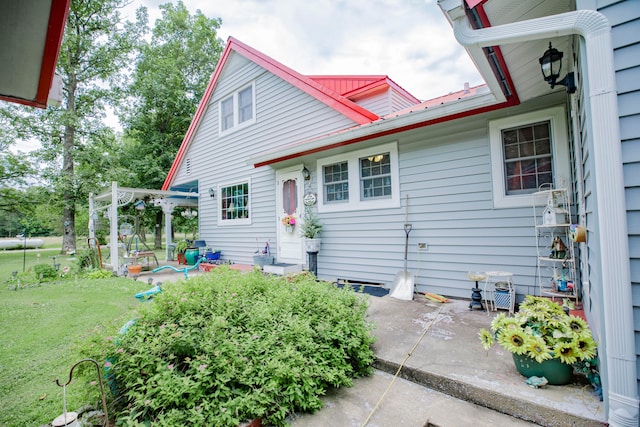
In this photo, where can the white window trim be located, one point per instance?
(232, 222)
(559, 149)
(352, 159)
(236, 110)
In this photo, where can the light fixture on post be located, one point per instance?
(306, 175)
(189, 213)
(551, 64)
(212, 193)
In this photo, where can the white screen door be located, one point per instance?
(289, 195)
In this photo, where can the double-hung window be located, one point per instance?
(528, 152)
(234, 203)
(238, 109)
(363, 179)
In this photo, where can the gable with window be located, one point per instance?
(238, 109)
(528, 151)
(363, 179)
(234, 203)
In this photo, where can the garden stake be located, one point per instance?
(104, 402)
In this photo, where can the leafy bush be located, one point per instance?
(45, 272)
(226, 347)
(86, 259)
(99, 274)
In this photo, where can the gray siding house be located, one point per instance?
(377, 157)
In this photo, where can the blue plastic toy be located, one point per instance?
(184, 270)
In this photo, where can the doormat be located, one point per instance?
(363, 287)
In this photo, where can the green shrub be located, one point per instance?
(86, 259)
(226, 347)
(45, 272)
(99, 274)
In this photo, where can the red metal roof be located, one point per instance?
(356, 86)
(444, 99)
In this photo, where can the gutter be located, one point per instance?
(593, 27)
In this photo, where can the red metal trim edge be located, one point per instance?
(55, 32)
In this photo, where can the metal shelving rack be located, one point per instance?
(556, 260)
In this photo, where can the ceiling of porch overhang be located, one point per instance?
(522, 58)
(31, 33)
(189, 187)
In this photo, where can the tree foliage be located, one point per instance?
(172, 72)
(94, 54)
(169, 80)
(153, 84)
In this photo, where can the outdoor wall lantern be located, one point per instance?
(551, 64)
(306, 174)
(212, 193)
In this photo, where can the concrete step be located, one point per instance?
(445, 354)
(506, 403)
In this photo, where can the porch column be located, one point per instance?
(92, 222)
(167, 208)
(113, 228)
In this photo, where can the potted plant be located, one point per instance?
(543, 339)
(310, 230)
(181, 248)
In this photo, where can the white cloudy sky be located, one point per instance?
(408, 40)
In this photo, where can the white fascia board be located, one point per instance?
(387, 124)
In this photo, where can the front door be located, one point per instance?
(289, 204)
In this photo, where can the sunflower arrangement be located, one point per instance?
(542, 330)
(289, 221)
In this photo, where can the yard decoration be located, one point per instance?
(542, 332)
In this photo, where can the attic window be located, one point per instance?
(238, 109)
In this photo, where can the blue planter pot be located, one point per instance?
(556, 372)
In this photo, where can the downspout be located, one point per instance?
(594, 28)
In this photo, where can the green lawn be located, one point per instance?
(40, 326)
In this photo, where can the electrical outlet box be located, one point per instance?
(422, 246)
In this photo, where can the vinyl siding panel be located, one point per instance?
(284, 115)
(380, 103)
(446, 172)
(399, 102)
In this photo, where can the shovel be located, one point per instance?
(402, 287)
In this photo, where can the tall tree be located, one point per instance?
(171, 75)
(95, 49)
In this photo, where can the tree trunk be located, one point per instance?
(158, 230)
(68, 188)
